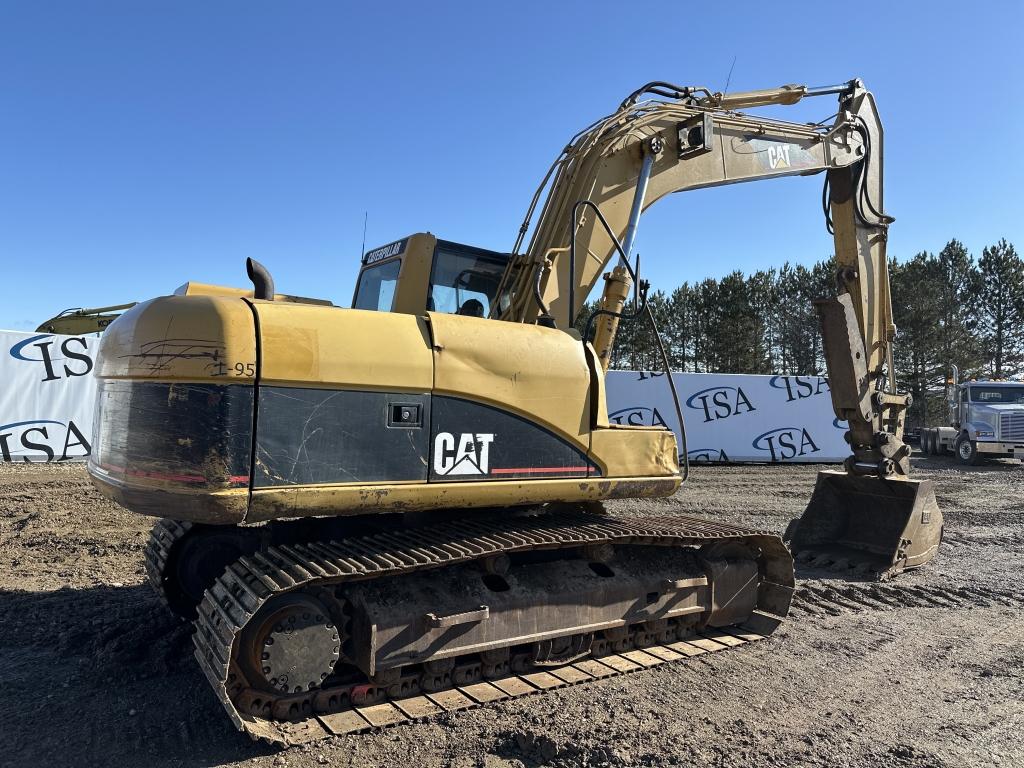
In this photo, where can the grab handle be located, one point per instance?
(469, 617)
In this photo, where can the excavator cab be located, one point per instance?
(422, 273)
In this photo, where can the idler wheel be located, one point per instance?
(293, 646)
(197, 560)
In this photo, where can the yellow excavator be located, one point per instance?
(379, 513)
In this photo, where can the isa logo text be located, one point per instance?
(68, 359)
(800, 387)
(720, 403)
(786, 443)
(54, 440)
(638, 416)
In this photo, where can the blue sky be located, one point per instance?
(143, 143)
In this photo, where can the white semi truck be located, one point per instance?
(986, 421)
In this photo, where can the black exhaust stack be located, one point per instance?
(262, 282)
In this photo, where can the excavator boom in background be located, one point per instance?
(75, 322)
(382, 512)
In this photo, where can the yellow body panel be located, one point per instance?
(309, 346)
(536, 372)
(414, 278)
(635, 452)
(182, 449)
(181, 338)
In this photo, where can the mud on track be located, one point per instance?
(927, 670)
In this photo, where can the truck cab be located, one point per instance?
(986, 420)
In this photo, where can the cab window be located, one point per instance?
(464, 280)
(376, 288)
(998, 395)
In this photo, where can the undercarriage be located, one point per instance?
(302, 637)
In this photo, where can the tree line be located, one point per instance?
(949, 308)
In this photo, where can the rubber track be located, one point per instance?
(163, 537)
(249, 582)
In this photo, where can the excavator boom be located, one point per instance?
(647, 149)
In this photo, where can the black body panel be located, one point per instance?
(310, 436)
(199, 435)
(471, 441)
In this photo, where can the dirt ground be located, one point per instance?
(924, 671)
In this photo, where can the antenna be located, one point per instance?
(729, 76)
(366, 215)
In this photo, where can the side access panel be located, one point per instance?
(518, 393)
(343, 398)
(315, 436)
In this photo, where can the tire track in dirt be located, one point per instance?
(824, 599)
(1006, 541)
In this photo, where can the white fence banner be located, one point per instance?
(47, 390)
(735, 417)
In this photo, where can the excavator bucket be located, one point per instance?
(872, 526)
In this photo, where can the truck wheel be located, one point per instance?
(928, 443)
(967, 451)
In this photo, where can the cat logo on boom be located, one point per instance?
(778, 157)
(467, 454)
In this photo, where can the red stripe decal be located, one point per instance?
(234, 479)
(535, 470)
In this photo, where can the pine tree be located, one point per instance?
(705, 306)
(958, 321)
(678, 330)
(764, 303)
(799, 331)
(1001, 308)
(734, 331)
(916, 287)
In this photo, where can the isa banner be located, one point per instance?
(47, 389)
(735, 417)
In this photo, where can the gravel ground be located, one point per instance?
(927, 670)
